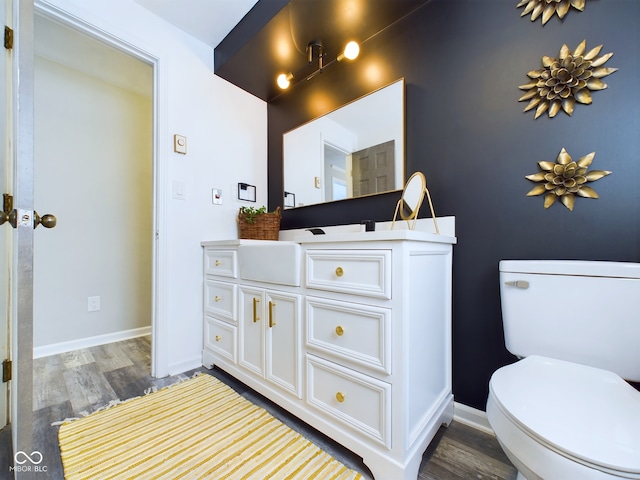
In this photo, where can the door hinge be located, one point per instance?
(6, 371)
(8, 37)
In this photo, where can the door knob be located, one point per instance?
(9, 214)
(47, 220)
(11, 217)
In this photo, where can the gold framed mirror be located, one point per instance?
(411, 200)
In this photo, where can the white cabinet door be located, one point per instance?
(269, 336)
(251, 336)
(283, 340)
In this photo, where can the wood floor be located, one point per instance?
(75, 383)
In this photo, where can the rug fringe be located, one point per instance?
(115, 402)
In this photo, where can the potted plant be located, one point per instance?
(258, 223)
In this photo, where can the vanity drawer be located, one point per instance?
(220, 262)
(359, 333)
(220, 299)
(356, 400)
(360, 272)
(220, 337)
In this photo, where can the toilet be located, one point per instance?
(563, 411)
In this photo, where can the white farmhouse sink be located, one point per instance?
(270, 261)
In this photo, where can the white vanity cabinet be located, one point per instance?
(366, 333)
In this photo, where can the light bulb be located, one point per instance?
(351, 50)
(284, 80)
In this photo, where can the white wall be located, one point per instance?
(93, 170)
(226, 130)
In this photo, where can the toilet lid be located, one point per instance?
(589, 415)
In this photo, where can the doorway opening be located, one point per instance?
(96, 168)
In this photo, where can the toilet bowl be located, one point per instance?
(561, 420)
(564, 411)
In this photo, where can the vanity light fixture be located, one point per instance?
(315, 52)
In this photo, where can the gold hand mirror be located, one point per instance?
(411, 200)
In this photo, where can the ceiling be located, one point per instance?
(207, 20)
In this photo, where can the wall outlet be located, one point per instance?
(93, 304)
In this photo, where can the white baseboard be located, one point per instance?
(472, 417)
(62, 347)
(185, 366)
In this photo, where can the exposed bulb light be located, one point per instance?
(315, 53)
(284, 80)
(351, 51)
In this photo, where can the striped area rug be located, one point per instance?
(200, 428)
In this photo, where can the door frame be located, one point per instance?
(159, 350)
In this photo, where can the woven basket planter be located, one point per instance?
(265, 226)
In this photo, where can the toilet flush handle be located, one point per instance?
(518, 284)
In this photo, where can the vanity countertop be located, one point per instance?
(353, 233)
(376, 236)
(236, 242)
(307, 237)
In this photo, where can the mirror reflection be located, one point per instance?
(354, 151)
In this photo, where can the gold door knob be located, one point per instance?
(218, 263)
(47, 220)
(340, 397)
(339, 271)
(217, 298)
(218, 338)
(339, 331)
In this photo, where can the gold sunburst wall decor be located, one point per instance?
(547, 8)
(563, 81)
(565, 179)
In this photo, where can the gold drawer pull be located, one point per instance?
(271, 315)
(256, 301)
(340, 397)
(339, 331)
(217, 298)
(339, 271)
(218, 338)
(218, 263)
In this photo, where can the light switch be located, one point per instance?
(216, 196)
(180, 144)
(179, 190)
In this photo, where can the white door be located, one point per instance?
(5, 230)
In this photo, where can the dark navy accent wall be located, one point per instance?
(463, 61)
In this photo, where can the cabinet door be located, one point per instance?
(282, 325)
(251, 337)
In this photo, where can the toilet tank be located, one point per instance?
(580, 311)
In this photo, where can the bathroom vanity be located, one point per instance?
(349, 331)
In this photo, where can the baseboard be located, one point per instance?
(472, 417)
(185, 366)
(62, 347)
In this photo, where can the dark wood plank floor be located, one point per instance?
(76, 383)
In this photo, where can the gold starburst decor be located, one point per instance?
(565, 179)
(548, 7)
(563, 81)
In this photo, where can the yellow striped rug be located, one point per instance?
(200, 428)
